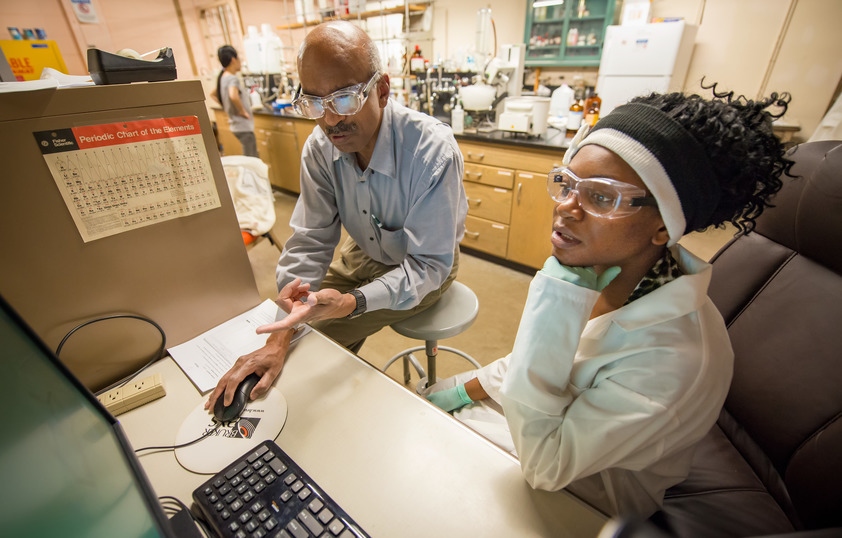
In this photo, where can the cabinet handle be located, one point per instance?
(519, 191)
(477, 201)
(479, 155)
(474, 235)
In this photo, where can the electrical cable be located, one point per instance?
(173, 447)
(158, 355)
(173, 508)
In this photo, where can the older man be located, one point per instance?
(391, 176)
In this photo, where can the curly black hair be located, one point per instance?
(736, 133)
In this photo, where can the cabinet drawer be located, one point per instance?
(542, 160)
(489, 175)
(491, 203)
(485, 235)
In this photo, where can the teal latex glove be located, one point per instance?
(451, 399)
(585, 277)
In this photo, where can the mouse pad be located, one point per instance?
(262, 419)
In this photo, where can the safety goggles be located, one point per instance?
(598, 196)
(345, 102)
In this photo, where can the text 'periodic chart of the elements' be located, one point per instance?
(117, 177)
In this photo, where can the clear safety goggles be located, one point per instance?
(345, 102)
(598, 196)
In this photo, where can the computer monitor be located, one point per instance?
(67, 468)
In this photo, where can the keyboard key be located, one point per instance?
(277, 466)
(336, 526)
(235, 470)
(311, 523)
(304, 493)
(297, 530)
(236, 505)
(286, 495)
(325, 516)
(290, 478)
(270, 524)
(316, 505)
(297, 486)
(262, 449)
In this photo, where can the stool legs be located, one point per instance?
(432, 350)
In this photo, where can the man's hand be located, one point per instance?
(266, 362)
(303, 306)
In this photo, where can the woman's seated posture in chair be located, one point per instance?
(621, 362)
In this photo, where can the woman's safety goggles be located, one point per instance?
(345, 102)
(598, 196)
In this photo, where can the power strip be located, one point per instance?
(133, 394)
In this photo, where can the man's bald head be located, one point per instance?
(340, 41)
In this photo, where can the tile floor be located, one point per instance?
(501, 292)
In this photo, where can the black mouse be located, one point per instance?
(231, 412)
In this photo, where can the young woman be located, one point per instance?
(621, 362)
(234, 98)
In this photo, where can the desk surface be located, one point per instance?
(396, 463)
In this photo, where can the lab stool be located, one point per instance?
(451, 315)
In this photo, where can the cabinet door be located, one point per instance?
(567, 34)
(230, 144)
(283, 160)
(532, 220)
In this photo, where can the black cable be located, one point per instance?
(173, 507)
(173, 447)
(157, 356)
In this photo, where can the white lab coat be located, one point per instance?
(610, 407)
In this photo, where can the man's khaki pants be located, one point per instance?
(353, 269)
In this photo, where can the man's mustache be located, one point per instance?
(340, 128)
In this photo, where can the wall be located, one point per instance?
(753, 47)
(142, 26)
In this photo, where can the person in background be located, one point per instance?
(621, 362)
(234, 98)
(391, 176)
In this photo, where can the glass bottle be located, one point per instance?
(574, 116)
(592, 111)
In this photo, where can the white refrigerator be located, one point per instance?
(642, 58)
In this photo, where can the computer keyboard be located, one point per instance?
(264, 493)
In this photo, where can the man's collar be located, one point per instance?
(383, 158)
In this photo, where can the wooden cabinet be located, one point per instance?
(279, 143)
(509, 211)
(532, 220)
(567, 33)
(278, 147)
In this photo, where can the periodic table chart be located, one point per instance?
(122, 176)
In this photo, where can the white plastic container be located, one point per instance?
(273, 50)
(561, 100)
(457, 119)
(254, 50)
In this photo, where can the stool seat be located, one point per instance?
(454, 312)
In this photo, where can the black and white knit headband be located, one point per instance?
(669, 160)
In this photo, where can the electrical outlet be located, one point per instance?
(133, 394)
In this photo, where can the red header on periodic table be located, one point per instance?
(111, 134)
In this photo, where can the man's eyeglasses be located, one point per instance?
(345, 102)
(598, 196)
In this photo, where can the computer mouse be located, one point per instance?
(231, 412)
